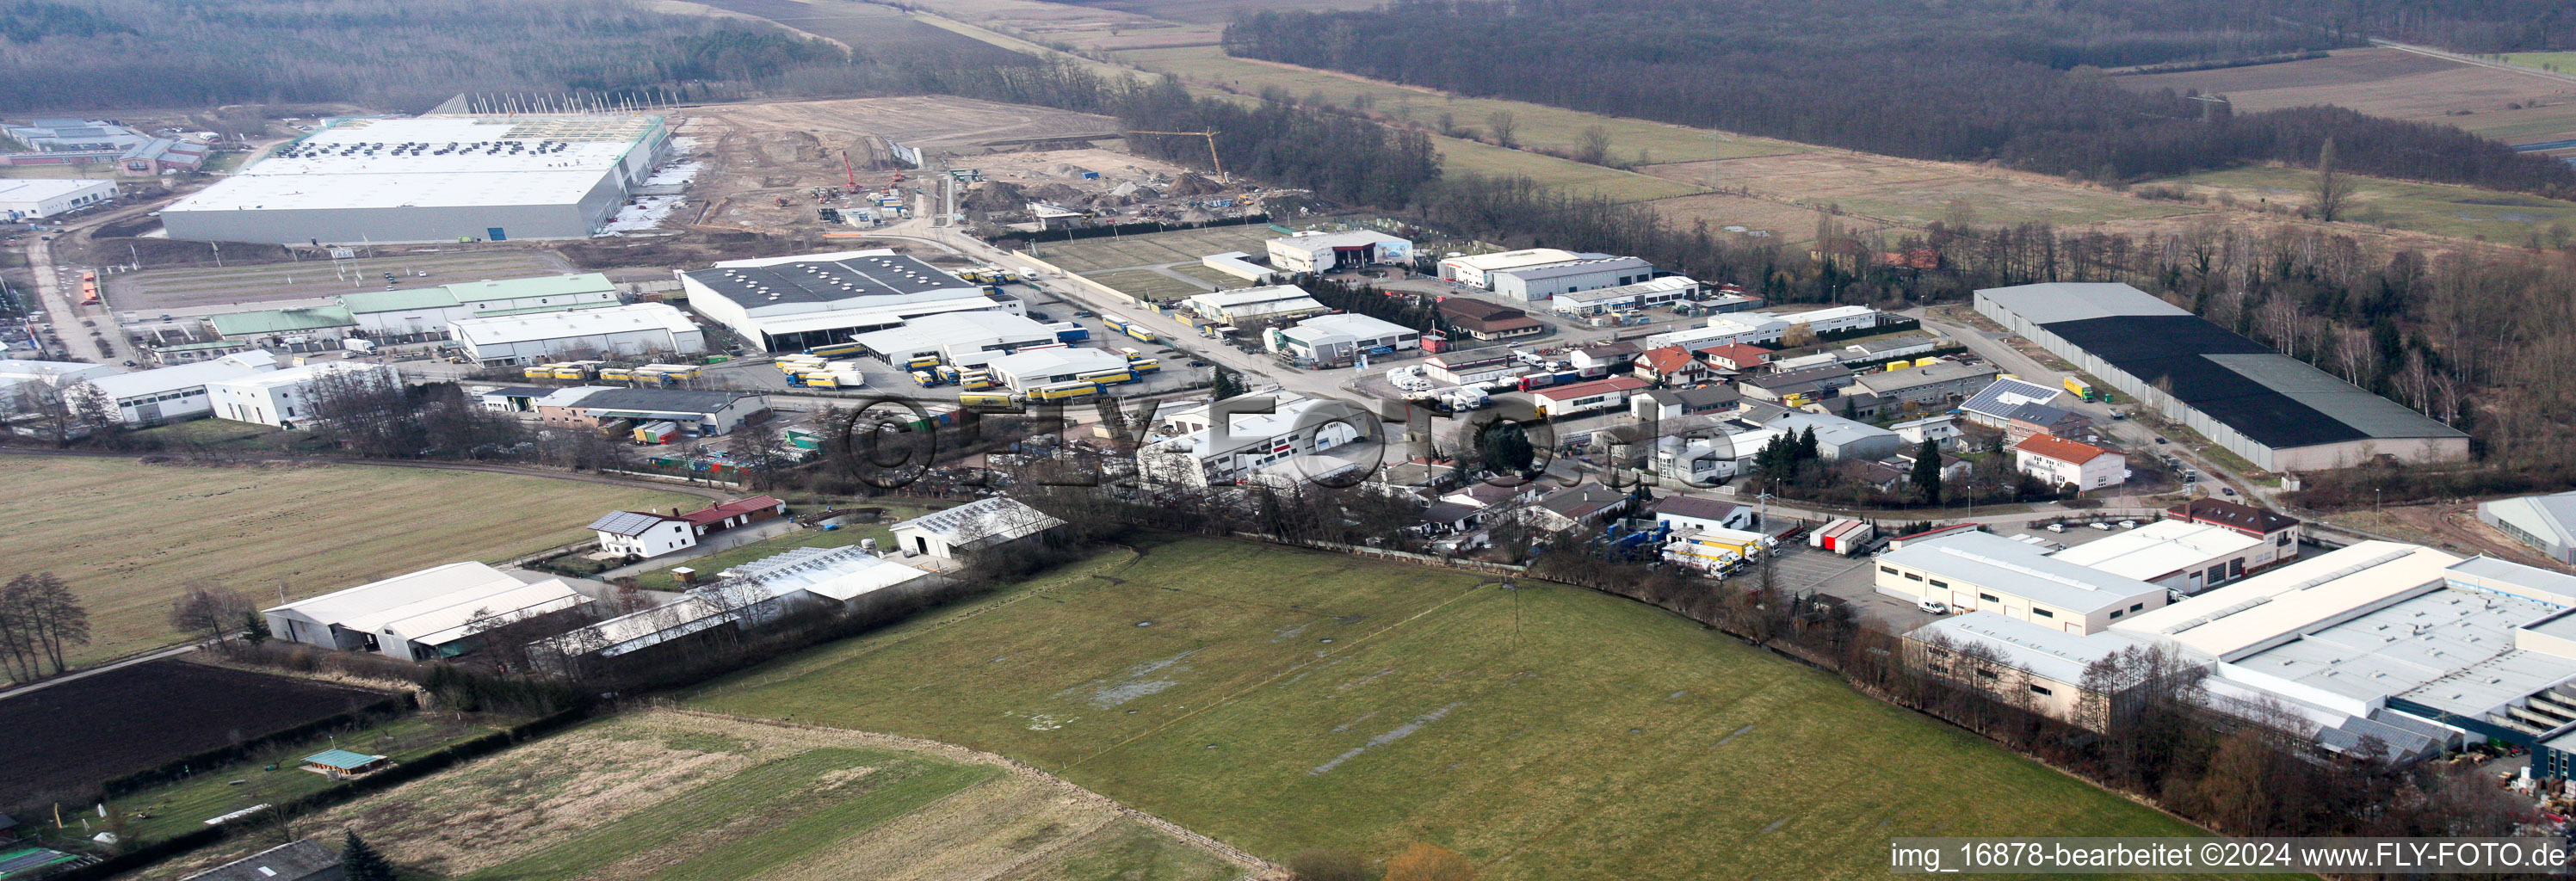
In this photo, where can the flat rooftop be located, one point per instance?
(2242, 618)
(2449, 649)
(2271, 398)
(2158, 549)
(441, 161)
(849, 280)
(558, 325)
(1989, 560)
(38, 190)
(2044, 651)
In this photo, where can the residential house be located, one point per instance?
(2281, 531)
(1602, 358)
(737, 513)
(1737, 357)
(1667, 404)
(1579, 507)
(642, 534)
(1671, 365)
(2063, 462)
(1940, 430)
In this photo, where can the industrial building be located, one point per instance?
(1248, 305)
(1940, 383)
(425, 615)
(1535, 283)
(1334, 252)
(284, 398)
(1837, 438)
(1762, 327)
(1341, 339)
(2273, 410)
(975, 527)
(2186, 557)
(1646, 294)
(1987, 572)
(166, 394)
(788, 304)
(693, 412)
(1025, 371)
(2281, 530)
(37, 199)
(2021, 408)
(67, 137)
(1474, 270)
(626, 331)
(957, 339)
(2061, 462)
(1219, 442)
(1488, 321)
(281, 327)
(2543, 522)
(432, 179)
(44, 380)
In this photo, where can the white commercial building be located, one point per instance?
(619, 331)
(1534, 283)
(284, 398)
(43, 381)
(2063, 462)
(788, 304)
(167, 394)
(1629, 297)
(1987, 572)
(1475, 270)
(1330, 252)
(957, 339)
(2546, 523)
(431, 179)
(2187, 557)
(1272, 303)
(1764, 327)
(1024, 371)
(980, 525)
(1230, 440)
(642, 533)
(35, 199)
(1341, 338)
(425, 615)
(431, 310)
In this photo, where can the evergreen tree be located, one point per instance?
(1227, 383)
(254, 627)
(362, 862)
(1927, 471)
(1808, 450)
(1505, 449)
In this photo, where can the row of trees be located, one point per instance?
(1976, 81)
(39, 618)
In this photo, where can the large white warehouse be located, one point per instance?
(640, 329)
(33, 199)
(432, 179)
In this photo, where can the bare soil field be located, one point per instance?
(1120, 252)
(2506, 105)
(672, 795)
(82, 732)
(760, 153)
(202, 289)
(869, 29)
(127, 536)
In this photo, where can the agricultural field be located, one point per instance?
(877, 31)
(1152, 249)
(128, 536)
(1146, 284)
(1208, 274)
(1280, 699)
(2460, 212)
(2513, 107)
(1881, 192)
(81, 732)
(210, 289)
(684, 797)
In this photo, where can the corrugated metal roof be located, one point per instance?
(282, 320)
(627, 522)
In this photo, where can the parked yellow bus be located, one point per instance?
(987, 400)
(616, 374)
(1064, 391)
(541, 371)
(921, 363)
(837, 350)
(1106, 377)
(1144, 366)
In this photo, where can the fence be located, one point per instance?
(1477, 566)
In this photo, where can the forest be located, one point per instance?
(100, 54)
(1983, 80)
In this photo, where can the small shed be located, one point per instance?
(341, 764)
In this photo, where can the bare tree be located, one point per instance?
(1503, 125)
(39, 617)
(20, 647)
(1593, 147)
(2334, 188)
(209, 610)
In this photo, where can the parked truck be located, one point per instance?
(2083, 391)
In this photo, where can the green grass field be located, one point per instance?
(1212, 276)
(1282, 699)
(128, 537)
(1147, 284)
(2441, 209)
(2558, 62)
(662, 796)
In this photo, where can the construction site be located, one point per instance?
(803, 166)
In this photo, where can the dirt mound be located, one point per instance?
(1062, 193)
(992, 195)
(1192, 185)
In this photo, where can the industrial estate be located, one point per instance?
(832, 468)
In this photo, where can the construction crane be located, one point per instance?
(1210, 135)
(851, 171)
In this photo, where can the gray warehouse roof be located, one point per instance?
(660, 400)
(1583, 267)
(826, 281)
(1990, 560)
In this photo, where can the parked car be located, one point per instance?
(1933, 606)
(2228, 490)
(1039, 316)
(2160, 440)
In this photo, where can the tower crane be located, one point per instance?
(1210, 135)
